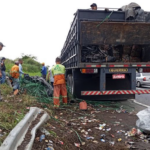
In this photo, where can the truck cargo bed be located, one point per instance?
(114, 33)
(93, 40)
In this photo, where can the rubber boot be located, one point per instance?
(16, 92)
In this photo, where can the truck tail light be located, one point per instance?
(89, 70)
(146, 69)
(144, 79)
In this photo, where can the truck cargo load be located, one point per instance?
(102, 53)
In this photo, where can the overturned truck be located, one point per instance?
(103, 51)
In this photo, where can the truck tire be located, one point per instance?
(68, 80)
(72, 85)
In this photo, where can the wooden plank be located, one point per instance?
(114, 33)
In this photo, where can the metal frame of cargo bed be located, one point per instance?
(71, 54)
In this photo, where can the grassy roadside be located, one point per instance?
(30, 66)
(13, 109)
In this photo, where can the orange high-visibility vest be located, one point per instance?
(14, 72)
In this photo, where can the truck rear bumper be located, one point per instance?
(121, 92)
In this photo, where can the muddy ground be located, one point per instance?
(74, 129)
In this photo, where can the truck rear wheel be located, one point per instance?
(72, 85)
(69, 81)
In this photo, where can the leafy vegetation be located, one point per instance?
(30, 65)
(12, 110)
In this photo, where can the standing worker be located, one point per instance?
(51, 78)
(3, 69)
(58, 72)
(20, 68)
(44, 71)
(94, 6)
(1, 47)
(14, 72)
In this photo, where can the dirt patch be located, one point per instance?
(28, 134)
(68, 123)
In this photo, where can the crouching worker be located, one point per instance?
(58, 72)
(14, 72)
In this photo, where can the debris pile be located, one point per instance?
(112, 53)
(38, 87)
(99, 127)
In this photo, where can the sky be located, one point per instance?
(40, 27)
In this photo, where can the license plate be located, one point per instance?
(118, 70)
(118, 76)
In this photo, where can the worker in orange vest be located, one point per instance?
(14, 72)
(58, 72)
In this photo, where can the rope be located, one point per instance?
(107, 17)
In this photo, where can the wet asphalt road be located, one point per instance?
(143, 98)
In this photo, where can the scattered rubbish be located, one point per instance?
(50, 141)
(144, 120)
(112, 143)
(90, 138)
(131, 143)
(61, 142)
(82, 143)
(103, 135)
(89, 130)
(49, 144)
(38, 138)
(102, 140)
(142, 136)
(46, 141)
(133, 132)
(84, 135)
(116, 123)
(83, 123)
(43, 130)
(101, 126)
(119, 110)
(82, 131)
(49, 148)
(27, 107)
(89, 120)
(42, 137)
(77, 144)
(96, 142)
(139, 132)
(108, 129)
(56, 117)
(120, 131)
(112, 135)
(74, 124)
(119, 140)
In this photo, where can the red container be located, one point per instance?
(83, 105)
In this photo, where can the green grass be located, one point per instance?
(13, 109)
(30, 66)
